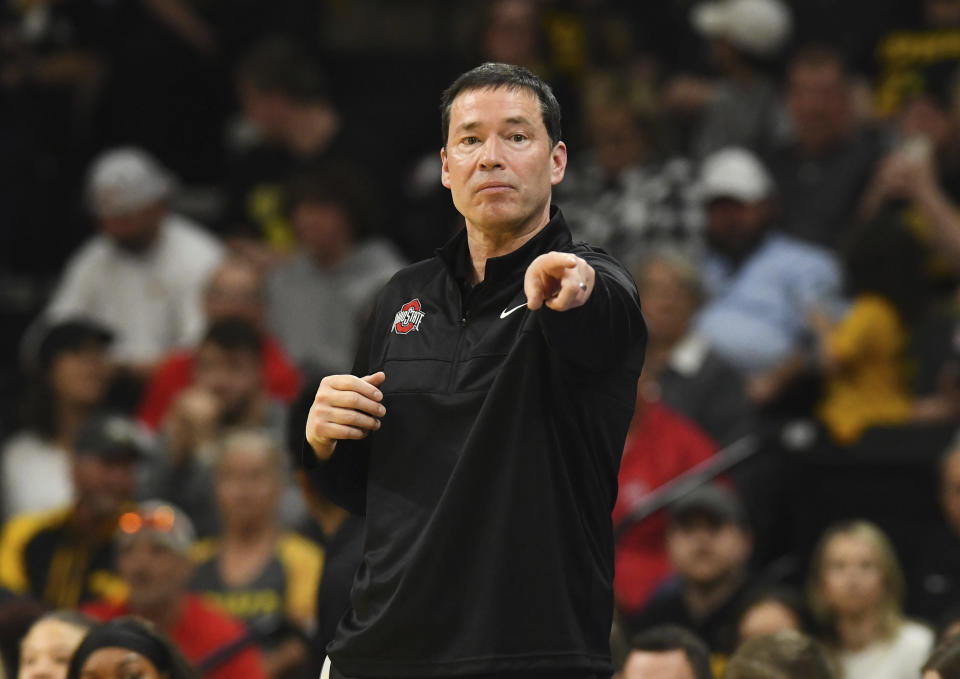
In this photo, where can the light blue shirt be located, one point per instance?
(758, 314)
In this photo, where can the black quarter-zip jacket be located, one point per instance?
(488, 488)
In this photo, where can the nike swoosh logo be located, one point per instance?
(505, 313)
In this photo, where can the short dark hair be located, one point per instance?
(494, 76)
(235, 334)
(784, 655)
(337, 183)
(278, 66)
(665, 638)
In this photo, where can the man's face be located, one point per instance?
(668, 303)
(616, 139)
(104, 485)
(734, 227)
(248, 486)
(134, 231)
(819, 103)
(322, 228)
(706, 552)
(232, 376)
(156, 574)
(234, 292)
(950, 490)
(657, 665)
(942, 13)
(267, 110)
(498, 162)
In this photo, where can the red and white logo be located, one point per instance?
(408, 318)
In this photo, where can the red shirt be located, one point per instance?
(175, 373)
(661, 445)
(200, 631)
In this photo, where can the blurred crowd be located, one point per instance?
(200, 199)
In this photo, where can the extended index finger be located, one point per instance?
(555, 263)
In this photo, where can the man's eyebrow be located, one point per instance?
(474, 124)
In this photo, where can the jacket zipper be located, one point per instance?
(461, 327)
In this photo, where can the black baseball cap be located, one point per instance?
(111, 437)
(713, 502)
(71, 335)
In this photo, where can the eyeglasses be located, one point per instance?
(160, 519)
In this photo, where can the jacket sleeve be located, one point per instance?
(343, 477)
(607, 327)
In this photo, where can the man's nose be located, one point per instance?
(491, 156)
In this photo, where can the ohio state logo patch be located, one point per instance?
(408, 318)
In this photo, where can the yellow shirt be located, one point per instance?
(869, 389)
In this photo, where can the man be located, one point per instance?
(482, 432)
(822, 169)
(154, 561)
(335, 268)
(666, 652)
(784, 655)
(143, 276)
(762, 287)
(235, 290)
(709, 544)
(65, 557)
(228, 392)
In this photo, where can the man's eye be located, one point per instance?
(518, 137)
(470, 140)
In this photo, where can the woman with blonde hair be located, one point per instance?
(855, 591)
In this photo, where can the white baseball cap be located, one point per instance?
(124, 180)
(734, 173)
(758, 27)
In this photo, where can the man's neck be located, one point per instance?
(486, 242)
(69, 418)
(164, 617)
(250, 536)
(703, 599)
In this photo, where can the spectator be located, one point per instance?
(742, 107)
(856, 589)
(666, 652)
(935, 574)
(770, 610)
(918, 181)
(334, 269)
(143, 276)
(227, 392)
(49, 644)
(709, 544)
(128, 647)
(290, 124)
(688, 375)
(69, 380)
(660, 446)
(863, 353)
(66, 557)
(256, 571)
(235, 290)
(761, 285)
(153, 557)
(624, 198)
(787, 654)
(822, 167)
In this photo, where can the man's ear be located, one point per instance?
(558, 163)
(444, 168)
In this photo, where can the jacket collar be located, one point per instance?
(554, 236)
